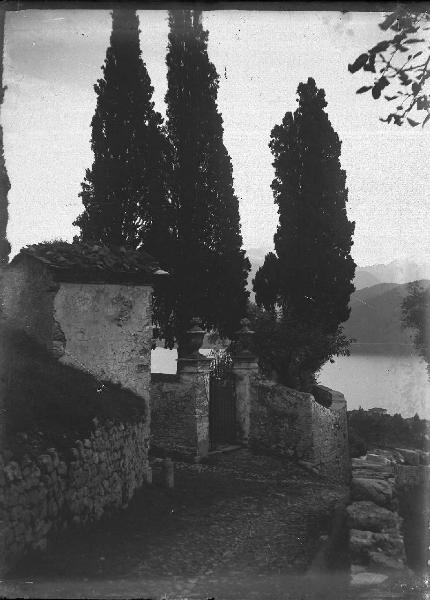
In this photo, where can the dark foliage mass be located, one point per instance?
(400, 66)
(125, 193)
(309, 279)
(290, 350)
(209, 266)
(369, 430)
(42, 395)
(416, 316)
(169, 192)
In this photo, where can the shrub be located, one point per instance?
(357, 446)
(291, 350)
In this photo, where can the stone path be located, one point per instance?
(241, 526)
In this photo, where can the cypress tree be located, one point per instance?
(310, 277)
(125, 193)
(210, 267)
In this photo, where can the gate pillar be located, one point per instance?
(245, 371)
(193, 372)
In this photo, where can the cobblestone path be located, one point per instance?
(241, 526)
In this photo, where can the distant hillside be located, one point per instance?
(397, 271)
(375, 320)
(364, 279)
(376, 317)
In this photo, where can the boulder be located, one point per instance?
(381, 560)
(360, 543)
(368, 578)
(377, 459)
(374, 472)
(425, 458)
(378, 491)
(368, 516)
(411, 457)
(363, 543)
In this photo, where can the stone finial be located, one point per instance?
(245, 338)
(194, 338)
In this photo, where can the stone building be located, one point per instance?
(89, 305)
(91, 308)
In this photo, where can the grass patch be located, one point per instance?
(48, 404)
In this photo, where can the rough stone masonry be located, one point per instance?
(40, 497)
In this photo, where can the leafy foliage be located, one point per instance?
(401, 63)
(222, 363)
(310, 277)
(379, 430)
(209, 266)
(125, 193)
(290, 350)
(416, 315)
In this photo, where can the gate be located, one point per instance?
(222, 403)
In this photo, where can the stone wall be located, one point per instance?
(172, 415)
(292, 423)
(278, 419)
(330, 445)
(42, 496)
(108, 331)
(376, 539)
(412, 475)
(28, 292)
(105, 329)
(180, 410)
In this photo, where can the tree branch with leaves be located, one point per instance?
(401, 65)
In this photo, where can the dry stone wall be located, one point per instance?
(42, 496)
(376, 539)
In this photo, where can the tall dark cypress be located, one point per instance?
(210, 267)
(311, 276)
(125, 193)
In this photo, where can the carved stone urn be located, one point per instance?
(194, 339)
(245, 337)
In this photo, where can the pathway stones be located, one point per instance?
(376, 540)
(246, 515)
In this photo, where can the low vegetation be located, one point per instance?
(49, 404)
(369, 430)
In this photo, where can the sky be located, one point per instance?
(53, 58)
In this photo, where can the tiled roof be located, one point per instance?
(85, 261)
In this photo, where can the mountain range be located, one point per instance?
(375, 320)
(397, 271)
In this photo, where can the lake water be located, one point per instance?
(397, 383)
